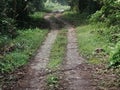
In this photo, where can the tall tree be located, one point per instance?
(89, 6)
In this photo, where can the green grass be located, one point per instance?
(56, 6)
(52, 82)
(56, 58)
(25, 46)
(89, 40)
(58, 50)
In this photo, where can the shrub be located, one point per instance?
(96, 17)
(109, 13)
(12, 61)
(7, 27)
(115, 56)
(4, 43)
(114, 34)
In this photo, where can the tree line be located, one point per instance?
(103, 10)
(12, 12)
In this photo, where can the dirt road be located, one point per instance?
(76, 72)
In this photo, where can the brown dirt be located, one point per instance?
(107, 79)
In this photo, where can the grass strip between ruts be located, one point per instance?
(56, 58)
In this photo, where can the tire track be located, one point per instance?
(75, 81)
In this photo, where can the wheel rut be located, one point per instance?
(73, 77)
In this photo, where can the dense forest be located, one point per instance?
(23, 29)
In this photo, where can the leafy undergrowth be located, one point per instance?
(56, 59)
(24, 47)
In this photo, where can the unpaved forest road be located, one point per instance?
(75, 72)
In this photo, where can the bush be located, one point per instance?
(4, 43)
(7, 27)
(113, 34)
(109, 13)
(115, 56)
(12, 61)
(96, 17)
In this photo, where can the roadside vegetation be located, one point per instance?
(91, 44)
(56, 59)
(17, 51)
(21, 49)
(20, 37)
